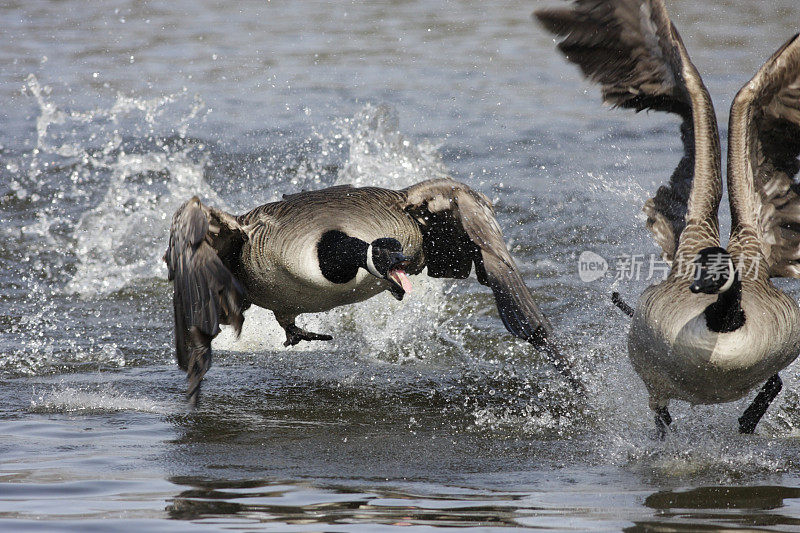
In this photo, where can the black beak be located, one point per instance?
(397, 291)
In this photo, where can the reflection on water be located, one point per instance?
(757, 507)
(704, 508)
(723, 498)
(308, 505)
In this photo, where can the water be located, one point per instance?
(421, 413)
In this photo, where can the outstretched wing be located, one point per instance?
(459, 230)
(632, 49)
(205, 293)
(763, 146)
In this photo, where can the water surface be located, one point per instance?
(423, 413)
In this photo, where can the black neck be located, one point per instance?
(340, 256)
(726, 314)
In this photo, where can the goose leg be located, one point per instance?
(295, 334)
(751, 416)
(663, 420)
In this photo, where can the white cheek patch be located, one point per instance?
(370, 265)
(731, 275)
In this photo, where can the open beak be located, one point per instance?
(400, 285)
(398, 276)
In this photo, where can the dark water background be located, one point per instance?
(422, 414)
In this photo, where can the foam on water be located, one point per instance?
(43, 354)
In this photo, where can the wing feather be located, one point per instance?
(459, 229)
(764, 144)
(205, 292)
(632, 49)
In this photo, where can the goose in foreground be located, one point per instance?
(716, 327)
(313, 251)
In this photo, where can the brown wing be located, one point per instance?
(763, 146)
(459, 230)
(205, 293)
(632, 49)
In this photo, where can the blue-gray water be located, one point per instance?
(424, 413)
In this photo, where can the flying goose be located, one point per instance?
(313, 251)
(716, 327)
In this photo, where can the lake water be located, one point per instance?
(423, 413)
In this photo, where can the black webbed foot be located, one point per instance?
(295, 334)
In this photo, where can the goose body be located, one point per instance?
(716, 327)
(316, 250)
(280, 262)
(679, 357)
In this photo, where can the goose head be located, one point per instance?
(714, 271)
(385, 260)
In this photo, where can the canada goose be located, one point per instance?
(313, 251)
(716, 327)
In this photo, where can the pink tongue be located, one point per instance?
(402, 279)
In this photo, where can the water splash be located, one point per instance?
(74, 133)
(90, 206)
(125, 179)
(380, 155)
(121, 239)
(104, 399)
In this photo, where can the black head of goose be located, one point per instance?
(714, 337)
(716, 274)
(316, 250)
(340, 256)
